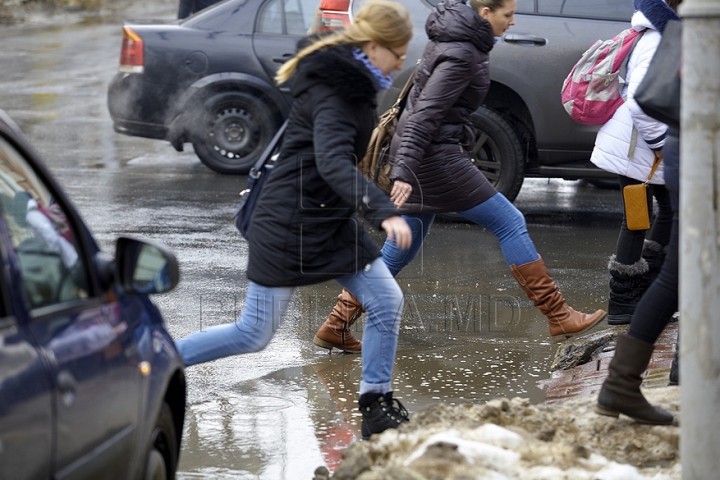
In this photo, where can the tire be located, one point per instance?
(497, 154)
(231, 131)
(162, 455)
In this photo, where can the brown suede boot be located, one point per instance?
(335, 332)
(620, 392)
(564, 321)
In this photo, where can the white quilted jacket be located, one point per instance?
(612, 145)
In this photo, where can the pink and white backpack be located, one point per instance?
(592, 91)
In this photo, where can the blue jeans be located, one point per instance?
(496, 214)
(264, 308)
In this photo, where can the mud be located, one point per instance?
(505, 439)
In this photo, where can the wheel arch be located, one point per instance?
(193, 97)
(507, 103)
(175, 397)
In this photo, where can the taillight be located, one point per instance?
(332, 15)
(131, 55)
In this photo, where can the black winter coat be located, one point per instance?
(303, 230)
(450, 83)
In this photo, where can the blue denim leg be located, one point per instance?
(260, 318)
(507, 223)
(396, 258)
(383, 300)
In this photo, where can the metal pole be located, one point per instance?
(699, 241)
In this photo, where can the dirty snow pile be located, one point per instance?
(512, 439)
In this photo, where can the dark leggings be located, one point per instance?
(630, 242)
(660, 301)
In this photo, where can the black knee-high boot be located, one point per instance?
(620, 392)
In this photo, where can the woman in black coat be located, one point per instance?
(303, 230)
(433, 173)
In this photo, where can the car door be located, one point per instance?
(90, 353)
(534, 57)
(26, 418)
(280, 24)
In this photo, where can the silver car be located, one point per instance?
(523, 130)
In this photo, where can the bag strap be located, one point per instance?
(406, 88)
(270, 149)
(656, 164)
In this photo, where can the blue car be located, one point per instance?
(91, 385)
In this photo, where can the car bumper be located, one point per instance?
(140, 129)
(139, 108)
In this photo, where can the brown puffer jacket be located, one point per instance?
(450, 83)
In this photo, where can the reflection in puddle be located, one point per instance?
(293, 420)
(43, 99)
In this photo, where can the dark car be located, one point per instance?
(91, 385)
(209, 81)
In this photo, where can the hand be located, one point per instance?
(398, 231)
(400, 192)
(658, 154)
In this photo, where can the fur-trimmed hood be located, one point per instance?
(454, 21)
(656, 14)
(337, 68)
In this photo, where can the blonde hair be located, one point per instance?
(385, 22)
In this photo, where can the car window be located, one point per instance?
(42, 236)
(270, 19)
(286, 17)
(523, 6)
(594, 9)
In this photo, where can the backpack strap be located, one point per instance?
(633, 142)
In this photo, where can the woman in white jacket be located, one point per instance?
(628, 145)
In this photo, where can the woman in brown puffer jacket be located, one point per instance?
(433, 173)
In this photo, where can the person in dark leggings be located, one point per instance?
(629, 144)
(620, 392)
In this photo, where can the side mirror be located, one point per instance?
(144, 267)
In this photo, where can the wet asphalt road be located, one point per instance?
(468, 332)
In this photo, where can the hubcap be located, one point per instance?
(234, 133)
(485, 155)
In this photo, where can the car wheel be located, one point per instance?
(497, 153)
(162, 456)
(233, 130)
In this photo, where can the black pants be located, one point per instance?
(660, 301)
(630, 242)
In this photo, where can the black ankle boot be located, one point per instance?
(379, 413)
(626, 289)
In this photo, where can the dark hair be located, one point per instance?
(674, 4)
(491, 4)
